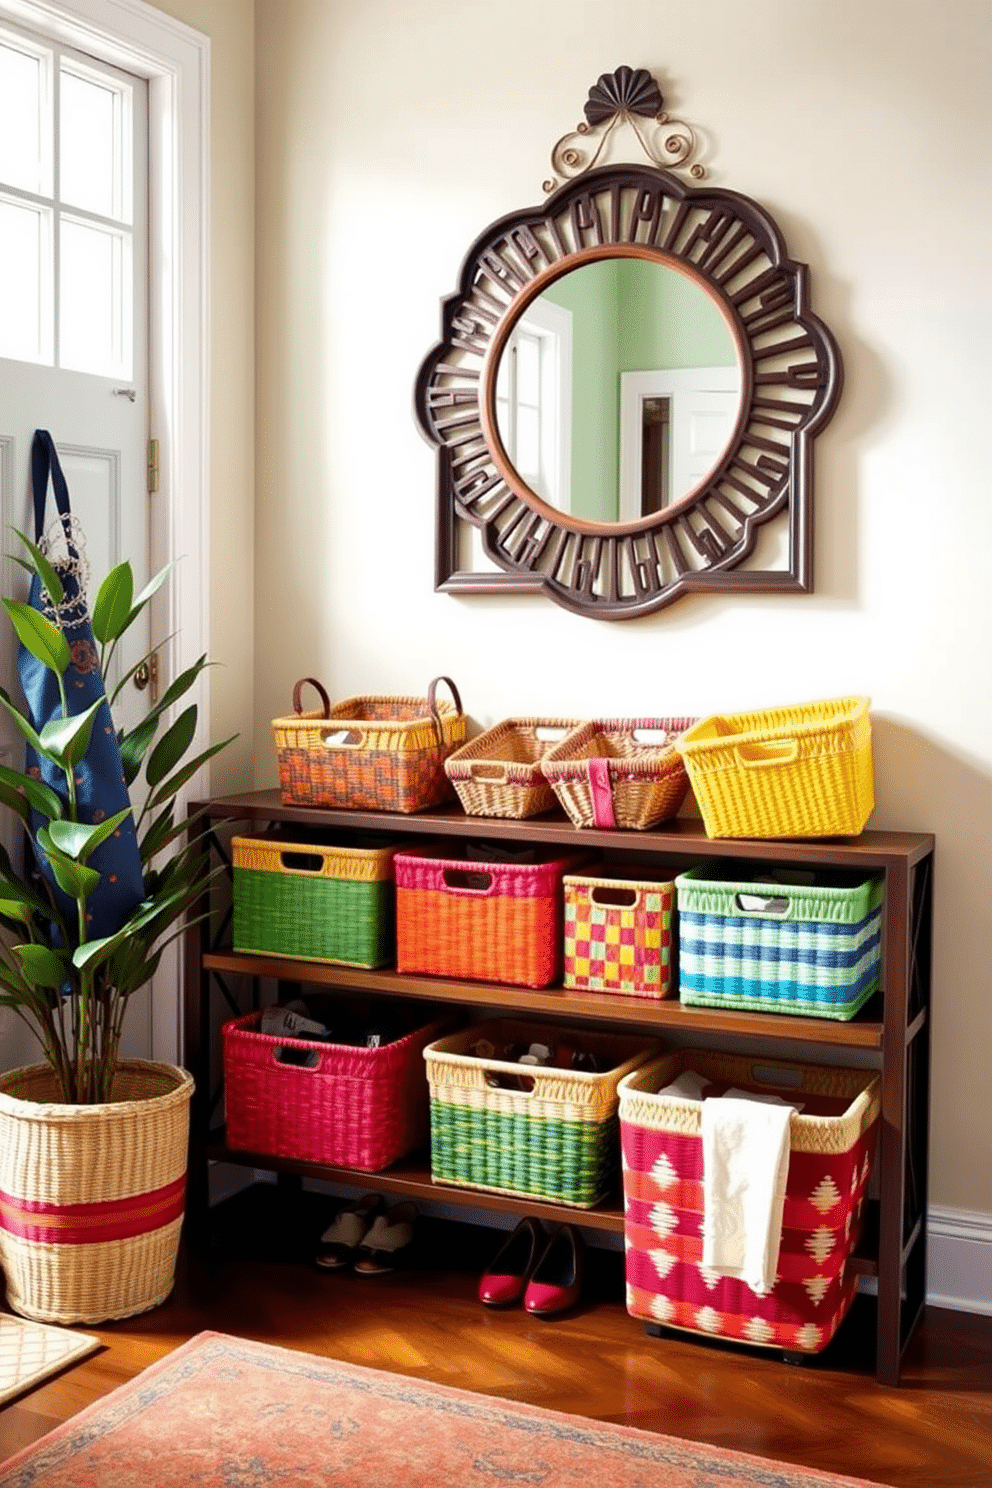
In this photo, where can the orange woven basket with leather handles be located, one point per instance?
(370, 753)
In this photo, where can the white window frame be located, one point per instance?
(175, 60)
(636, 388)
(551, 325)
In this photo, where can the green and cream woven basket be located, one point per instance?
(313, 902)
(542, 1132)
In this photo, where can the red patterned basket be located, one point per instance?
(369, 753)
(354, 1108)
(832, 1148)
(484, 920)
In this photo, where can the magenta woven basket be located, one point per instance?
(354, 1108)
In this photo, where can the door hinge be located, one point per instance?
(152, 466)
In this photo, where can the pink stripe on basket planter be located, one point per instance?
(84, 1224)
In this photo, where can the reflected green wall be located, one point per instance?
(628, 315)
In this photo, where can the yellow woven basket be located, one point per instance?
(802, 771)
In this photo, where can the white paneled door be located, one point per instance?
(74, 329)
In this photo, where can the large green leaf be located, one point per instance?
(80, 839)
(112, 609)
(38, 635)
(44, 569)
(75, 878)
(151, 588)
(177, 781)
(134, 745)
(66, 740)
(171, 747)
(43, 966)
(22, 723)
(35, 792)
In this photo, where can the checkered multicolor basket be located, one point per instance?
(315, 902)
(618, 933)
(778, 944)
(803, 771)
(556, 1139)
(832, 1149)
(369, 753)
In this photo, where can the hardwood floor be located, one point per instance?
(934, 1431)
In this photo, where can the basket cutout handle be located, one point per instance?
(301, 862)
(479, 770)
(651, 736)
(342, 738)
(296, 1055)
(778, 1075)
(435, 711)
(298, 695)
(774, 752)
(764, 904)
(614, 897)
(467, 880)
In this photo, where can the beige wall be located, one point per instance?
(230, 27)
(390, 134)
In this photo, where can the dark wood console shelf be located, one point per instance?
(891, 1034)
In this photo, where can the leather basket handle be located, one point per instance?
(298, 695)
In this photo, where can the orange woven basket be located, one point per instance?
(483, 920)
(619, 772)
(371, 753)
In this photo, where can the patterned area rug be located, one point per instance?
(30, 1352)
(221, 1411)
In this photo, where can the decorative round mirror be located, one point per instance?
(627, 385)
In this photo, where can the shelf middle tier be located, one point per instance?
(654, 1014)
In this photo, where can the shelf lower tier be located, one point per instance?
(658, 1015)
(411, 1176)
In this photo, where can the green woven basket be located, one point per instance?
(314, 903)
(557, 1141)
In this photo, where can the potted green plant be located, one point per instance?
(92, 1146)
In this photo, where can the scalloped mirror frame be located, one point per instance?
(791, 379)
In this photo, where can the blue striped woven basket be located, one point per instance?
(812, 949)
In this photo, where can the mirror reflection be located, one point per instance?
(618, 389)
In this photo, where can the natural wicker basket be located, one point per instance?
(92, 1196)
(499, 773)
(372, 753)
(556, 1140)
(832, 1149)
(606, 776)
(803, 771)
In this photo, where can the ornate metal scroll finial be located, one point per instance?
(623, 97)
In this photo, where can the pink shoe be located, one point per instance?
(510, 1271)
(557, 1280)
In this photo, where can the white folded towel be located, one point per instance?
(745, 1170)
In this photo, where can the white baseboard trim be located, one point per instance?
(959, 1260)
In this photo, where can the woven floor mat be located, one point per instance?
(30, 1352)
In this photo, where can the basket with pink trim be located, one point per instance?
(619, 772)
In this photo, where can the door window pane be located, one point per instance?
(94, 328)
(92, 117)
(25, 282)
(25, 135)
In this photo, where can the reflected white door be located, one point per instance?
(74, 332)
(702, 405)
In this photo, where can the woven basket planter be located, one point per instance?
(92, 1197)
